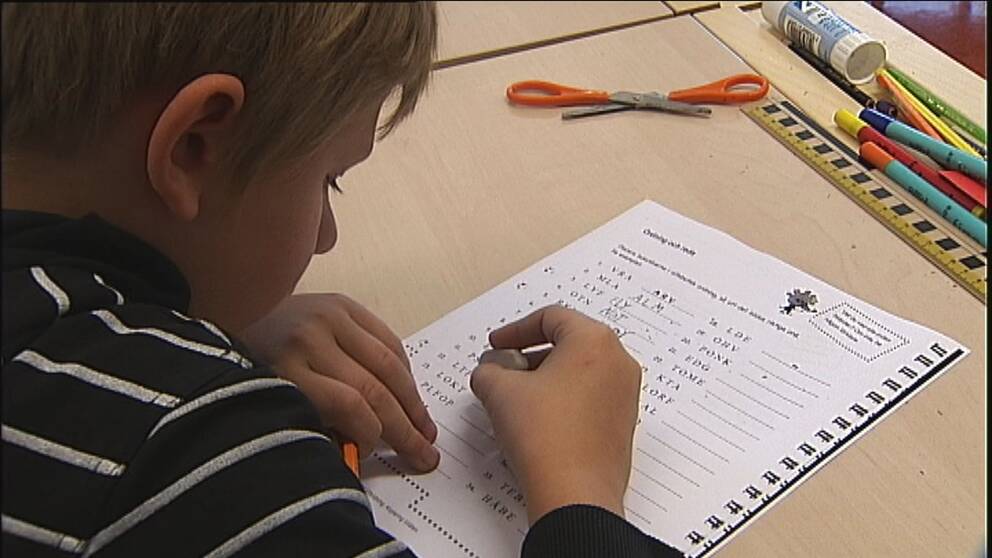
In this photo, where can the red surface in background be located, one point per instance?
(957, 28)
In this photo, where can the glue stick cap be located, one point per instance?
(859, 55)
(875, 119)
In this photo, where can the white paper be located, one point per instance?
(755, 374)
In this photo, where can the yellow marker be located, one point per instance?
(849, 122)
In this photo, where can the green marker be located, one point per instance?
(938, 106)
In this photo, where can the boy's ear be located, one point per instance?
(189, 138)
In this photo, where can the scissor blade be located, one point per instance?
(661, 103)
(591, 111)
(656, 101)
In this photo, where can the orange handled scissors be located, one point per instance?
(684, 101)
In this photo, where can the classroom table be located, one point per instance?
(688, 6)
(471, 190)
(469, 31)
(691, 6)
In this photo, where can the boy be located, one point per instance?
(165, 183)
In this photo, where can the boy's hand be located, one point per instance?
(353, 368)
(567, 426)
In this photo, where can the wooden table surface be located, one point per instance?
(471, 190)
(469, 30)
(689, 6)
(692, 6)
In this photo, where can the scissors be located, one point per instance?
(684, 101)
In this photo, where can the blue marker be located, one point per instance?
(948, 156)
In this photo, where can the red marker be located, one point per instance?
(966, 195)
(967, 185)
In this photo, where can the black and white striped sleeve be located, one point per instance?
(240, 467)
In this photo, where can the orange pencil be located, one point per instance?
(907, 110)
(349, 450)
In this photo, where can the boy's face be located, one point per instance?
(273, 228)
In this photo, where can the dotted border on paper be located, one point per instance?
(902, 340)
(413, 506)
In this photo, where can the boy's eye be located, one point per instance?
(332, 183)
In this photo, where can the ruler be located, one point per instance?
(937, 241)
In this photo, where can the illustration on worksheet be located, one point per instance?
(803, 300)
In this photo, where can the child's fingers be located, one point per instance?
(397, 429)
(547, 325)
(371, 353)
(341, 407)
(535, 358)
(492, 384)
(371, 323)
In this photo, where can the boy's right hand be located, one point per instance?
(567, 426)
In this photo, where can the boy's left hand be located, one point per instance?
(354, 370)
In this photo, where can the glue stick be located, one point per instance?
(816, 28)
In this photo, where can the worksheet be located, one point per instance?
(755, 374)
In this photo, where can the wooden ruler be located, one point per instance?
(936, 240)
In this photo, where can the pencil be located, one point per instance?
(349, 450)
(949, 135)
(937, 105)
(906, 109)
(966, 137)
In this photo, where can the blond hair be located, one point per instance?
(69, 69)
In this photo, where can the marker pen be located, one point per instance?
(858, 128)
(946, 155)
(957, 215)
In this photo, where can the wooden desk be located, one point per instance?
(470, 30)
(689, 6)
(471, 190)
(693, 6)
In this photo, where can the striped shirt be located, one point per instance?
(131, 429)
